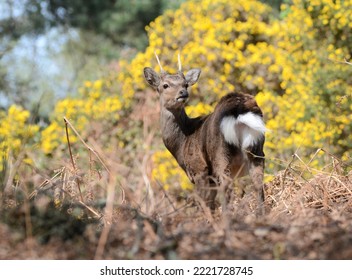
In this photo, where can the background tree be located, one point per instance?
(49, 47)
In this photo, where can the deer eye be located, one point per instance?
(165, 86)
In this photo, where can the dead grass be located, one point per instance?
(95, 207)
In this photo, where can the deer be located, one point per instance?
(215, 148)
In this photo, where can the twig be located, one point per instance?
(13, 171)
(67, 122)
(28, 220)
(47, 182)
(166, 195)
(309, 162)
(138, 237)
(149, 192)
(337, 180)
(175, 210)
(341, 62)
(102, 242)
(206, 211)
(71, 157)
(285, 173)
(90, 209)
(306, 167)
(109, 215)
(326, 196)
(345, 60)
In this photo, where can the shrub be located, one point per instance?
(291, 63)
(17, 137)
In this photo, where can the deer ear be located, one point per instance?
(192, 76)
(151, 77)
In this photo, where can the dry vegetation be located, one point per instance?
(96, 208)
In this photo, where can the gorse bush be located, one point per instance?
(98, 101)
(292, 62)
(314, 110)
(16, 135)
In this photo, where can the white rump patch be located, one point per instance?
(244, 131)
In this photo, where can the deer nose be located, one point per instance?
(183, 94)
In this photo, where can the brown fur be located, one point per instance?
(198, 144)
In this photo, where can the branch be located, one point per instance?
(72, 160)
(85, 144)
(349, 63)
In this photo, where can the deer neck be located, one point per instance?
(175, 126)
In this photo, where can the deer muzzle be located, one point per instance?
(182, 96)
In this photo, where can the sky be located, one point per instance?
(35, 64)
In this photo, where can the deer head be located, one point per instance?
(172, 88)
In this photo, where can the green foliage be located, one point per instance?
(121, 21)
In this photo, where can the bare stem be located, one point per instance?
(71, 157)
(84, 143)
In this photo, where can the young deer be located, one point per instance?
(211, 149)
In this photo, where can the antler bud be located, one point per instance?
(157, 58)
